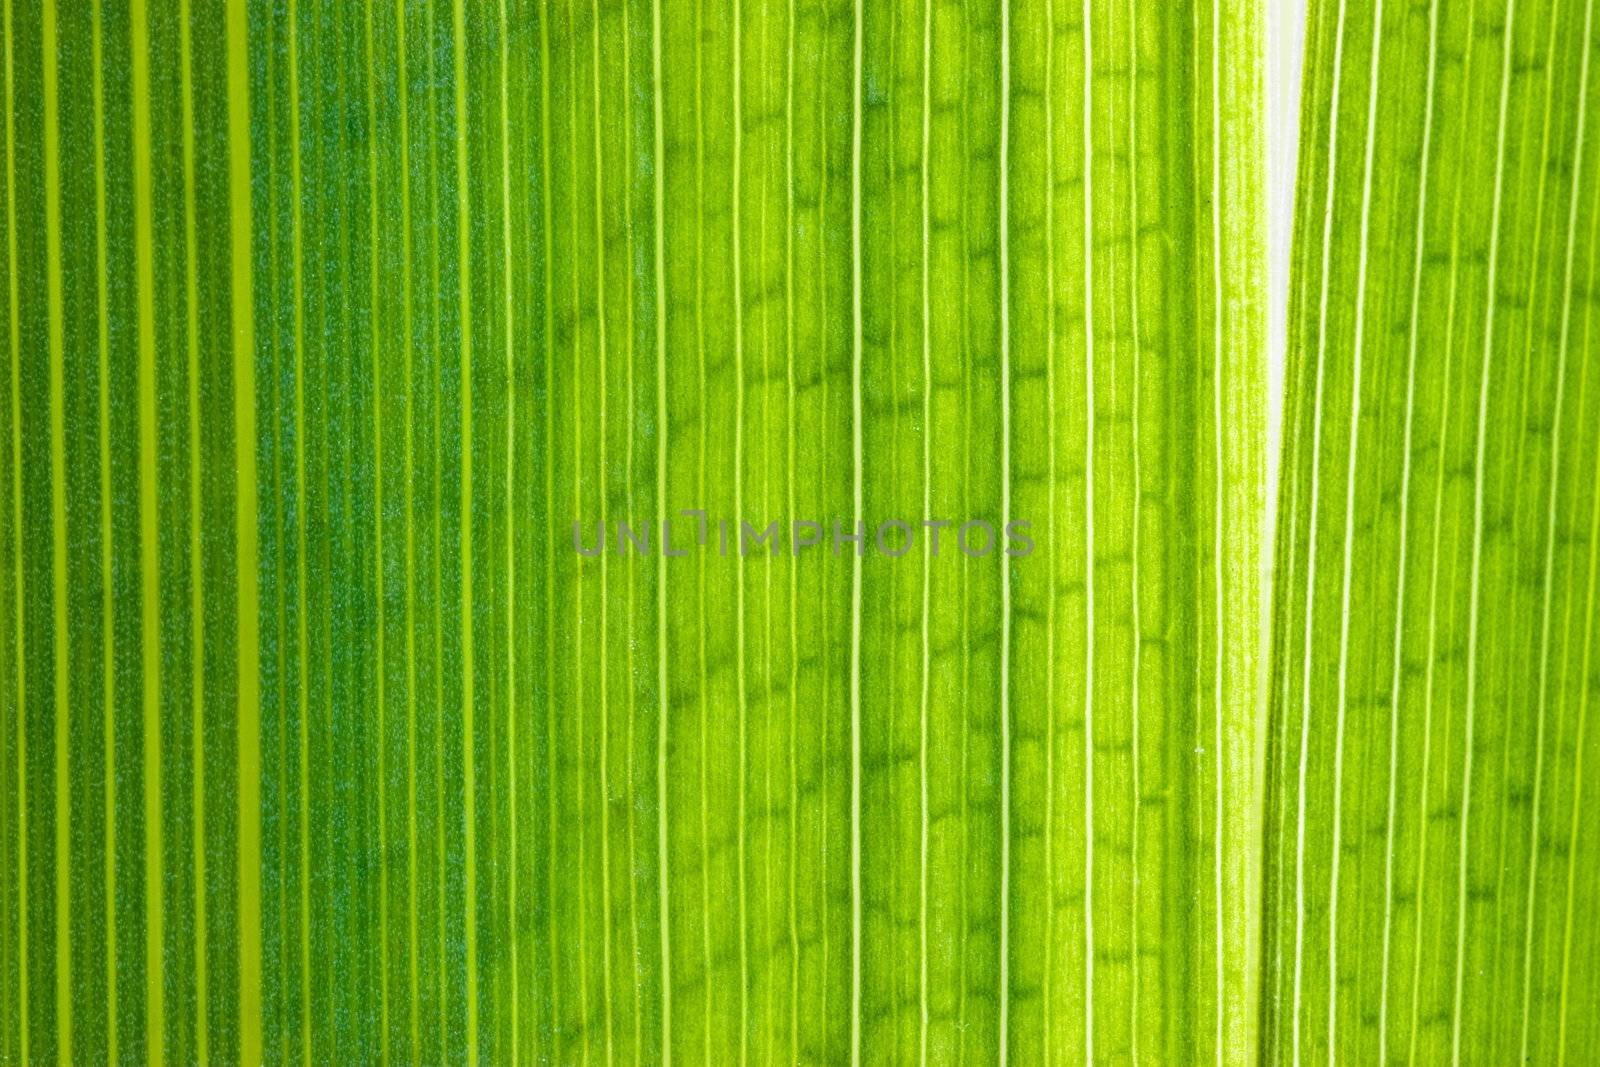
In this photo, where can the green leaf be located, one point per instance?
(1429, 868)
(327, 322)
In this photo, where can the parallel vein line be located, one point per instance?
(108, 598)
(927, 511)
(1551, 523)
(1586, 688)
(1491, 300)
(1089, 534)
(379, 663)
(146, 357)
(1349, 532)
(1133, 549)
(1003, 993)
(468, 645)
(855, 563)
(737, 269)
(657, 92)
(1311, 536)
(1048, 992)
(1219, 473)
(1400, 569)
(60, 637)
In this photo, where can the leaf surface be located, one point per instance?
(327, 323)
(1428, 863)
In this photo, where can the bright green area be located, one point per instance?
(326, 321)
(1431, 859)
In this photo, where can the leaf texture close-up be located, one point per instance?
(338, 333)
(1431, 856)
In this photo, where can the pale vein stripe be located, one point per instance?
(736, 192)
(1400, 570)
(1295, 391)
(442, 983)
(1138, 632)
(303, 747)
(1583, 702)
(1550, 528)
(546, 175)
(148, 541)
(1048, 963)
(1311, 537)
(765, 1027)
(794, 577)
(108, 597)
(1421, 884)
(468, 657)
(1477, 537)
(514, 1002)
(245, 504)
(1282, 683)
(855, 563)
(657, 91)
(378, 557)
(824, 1015)
(1349, 533)
(196, 576)
(1577, 805)
(468, 652)
(1218, 312)
(964, 876)
(1427, 726)
(296, 199)
(794, 570)
(410, 543)
(631, 613)
(1088, 503)
(580, 898)
(700, 491)
(927, 511)
(1503, 864)
(1004, 992)
(603, 636)
(60, 639)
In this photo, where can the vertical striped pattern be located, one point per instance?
(325, 323)
(1429, 864)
